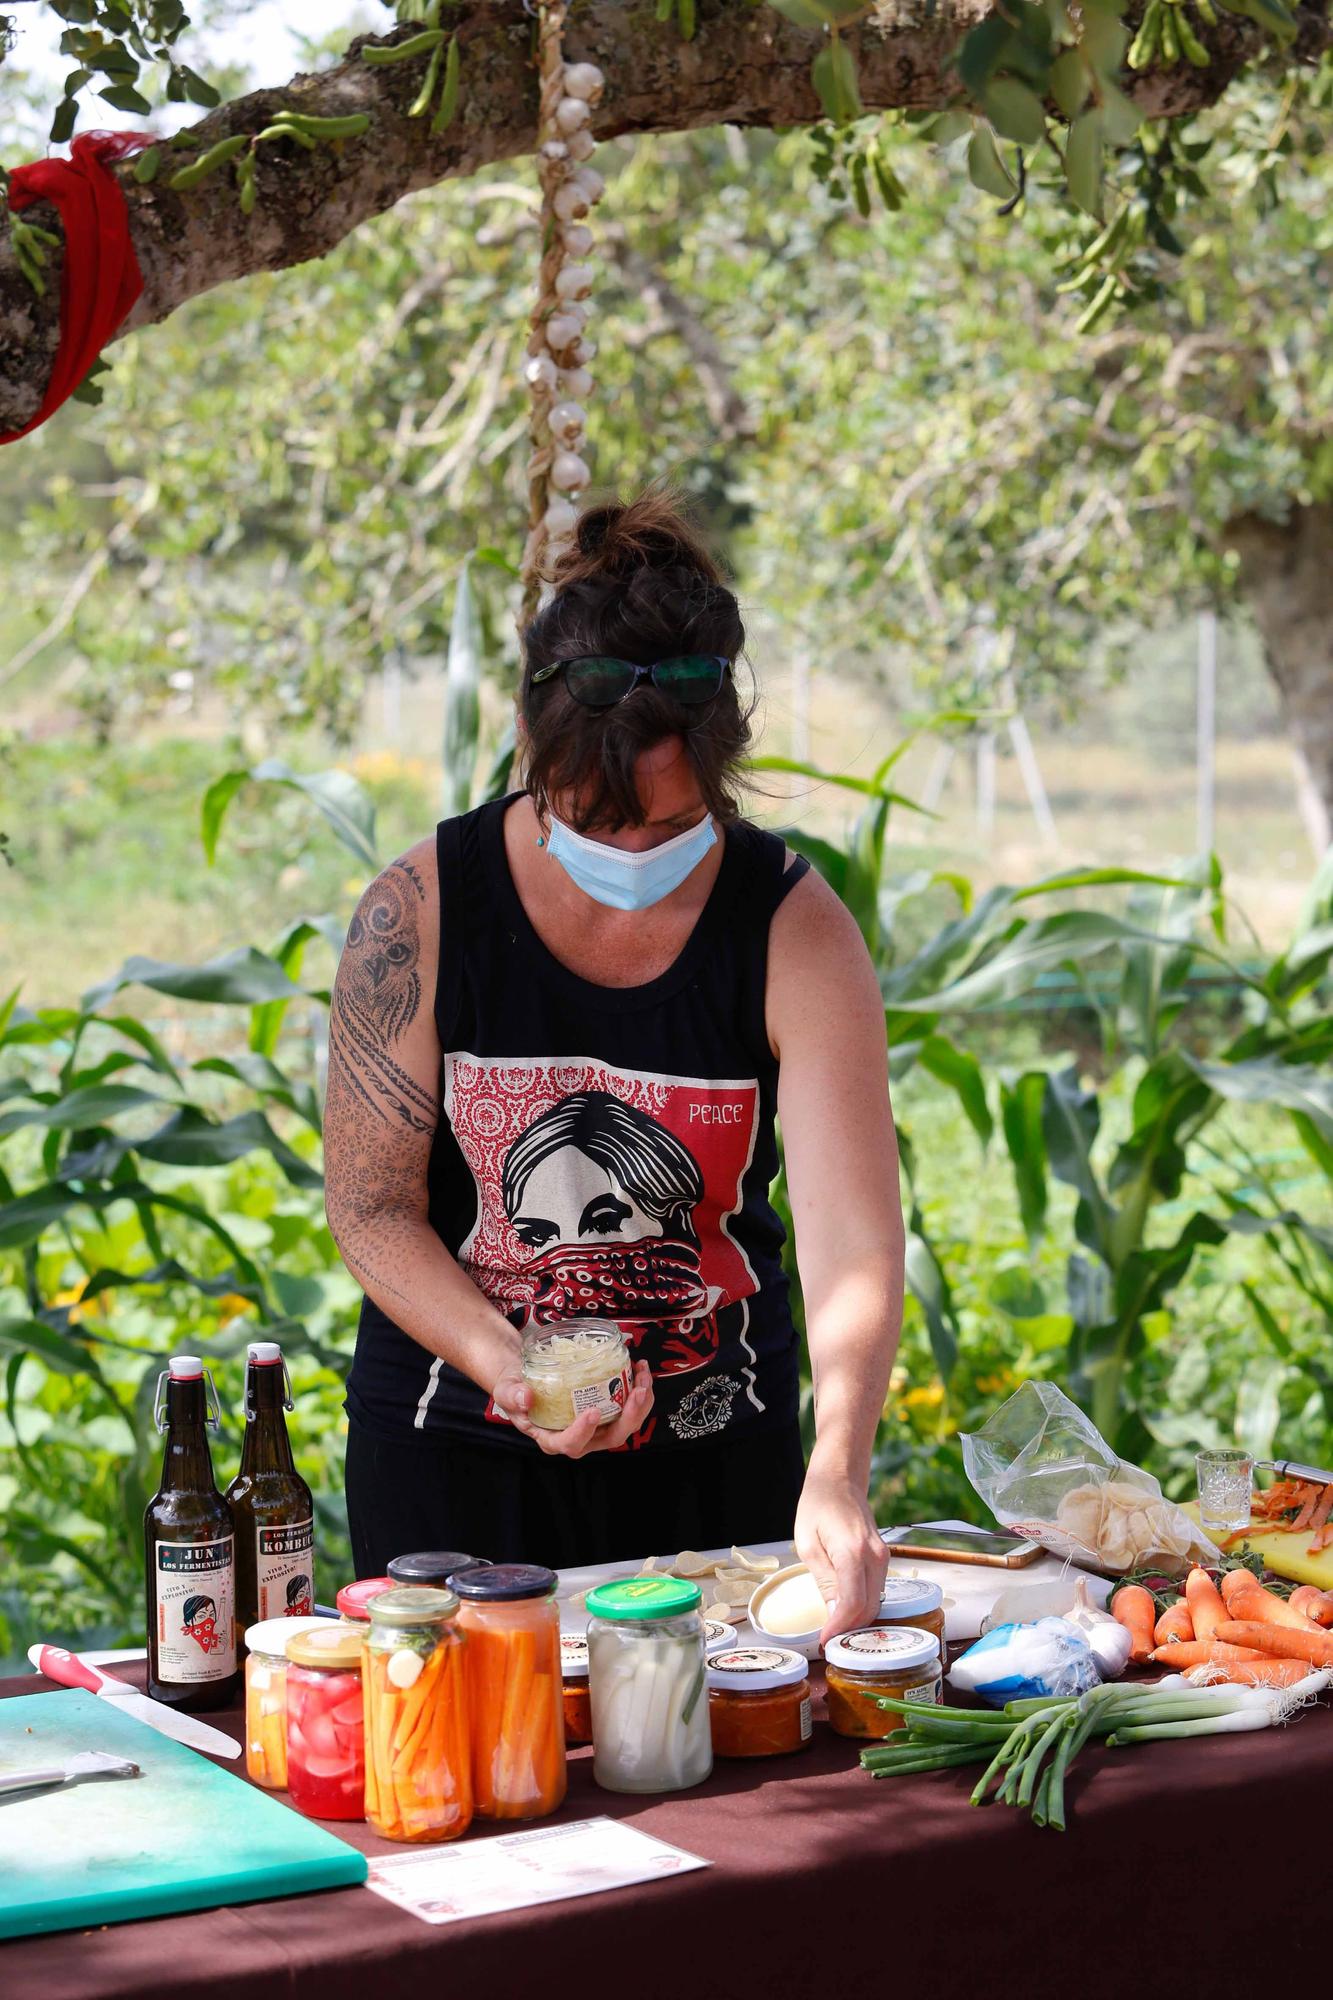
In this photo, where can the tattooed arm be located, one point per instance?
(380, 1114)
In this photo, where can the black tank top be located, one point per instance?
(604, 1152)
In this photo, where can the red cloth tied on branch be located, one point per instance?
(100, 277)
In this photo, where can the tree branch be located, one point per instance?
(745, 66)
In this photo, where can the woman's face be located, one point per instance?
(668, 791)
(570, 1199)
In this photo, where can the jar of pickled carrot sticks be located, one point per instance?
(326, 1752)
(515, 1688)
(418, 1752)
(266, 1699)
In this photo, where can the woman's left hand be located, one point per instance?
(837, 1540)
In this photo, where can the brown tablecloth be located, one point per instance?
(824, 1881)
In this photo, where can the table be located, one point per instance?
(823, 1881)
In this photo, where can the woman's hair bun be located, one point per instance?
(616, 540)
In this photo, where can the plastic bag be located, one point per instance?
(1015, 1662)
(1044, 1470)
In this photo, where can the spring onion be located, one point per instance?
(1029, 1746)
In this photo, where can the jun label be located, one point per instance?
(196, 1610)
(285, 1570)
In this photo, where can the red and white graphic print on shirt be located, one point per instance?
(606, 1193)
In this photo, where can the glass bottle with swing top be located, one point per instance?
(189, 1550)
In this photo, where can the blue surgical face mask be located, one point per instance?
(625, 881)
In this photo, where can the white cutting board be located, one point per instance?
(970, 1589)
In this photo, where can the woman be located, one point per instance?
(562, 1029)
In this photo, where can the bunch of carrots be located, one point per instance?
(1240, 1633)
(516, 1703)
(1292, 1507)
(418, 1757)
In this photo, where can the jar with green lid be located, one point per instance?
(647, 1681)
(418, 1752)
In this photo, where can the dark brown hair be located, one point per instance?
(638, 582)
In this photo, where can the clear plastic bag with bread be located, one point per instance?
(1045, 1471)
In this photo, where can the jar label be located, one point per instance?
(928, 1691)
(195, 1593)
(607, 1398)
(806, 1723)
(285, 1570)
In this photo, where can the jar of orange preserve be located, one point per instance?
(758, 1701)
(574, 1674)
(910, 1600)
(879, 1660)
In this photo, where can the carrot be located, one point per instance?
(1254, 1602)
(1134, 1608)
(1234, 1580)
(1315, 1646)
(1206, 1603)
(1174, 1625)
(1315, 1603)
(1205, 1653)
(1259, 1673)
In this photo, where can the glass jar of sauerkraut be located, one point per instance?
(647, 1679)
(576, 1366)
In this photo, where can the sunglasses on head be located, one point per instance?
(598, 681)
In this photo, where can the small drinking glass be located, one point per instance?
(1226, 1480)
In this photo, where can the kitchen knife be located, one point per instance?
(83, 1764)
(71, 1671)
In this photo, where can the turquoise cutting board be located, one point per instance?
(187, 1834)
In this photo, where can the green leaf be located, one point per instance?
(1070, 1117)
(215, 802)
(126, 98)
(345, 804)
(1017, 1293)
(80, 1109)
(1083, 162)
(1267, 1081)
(1070, 82)
(1014, 111)
(57, 1350)
(962, 1073)
(981, 51)
(238, 978)
(927, 1284)
(1020, 1117)
(192, 1140)
(1121, 117)
(833, 74)
(985, 169)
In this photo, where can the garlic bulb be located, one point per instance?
(567, 421)
(577, 239)
(562, 330)
(583, 350)
(584, 80)
(573, 281)
(1110, 1641)
(581, 145)
(561, 518)
(575, 382)
(571, 115)
(569, 472)
(592, 184)
(539, 372)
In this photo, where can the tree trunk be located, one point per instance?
(1287, 574)
(747, 65)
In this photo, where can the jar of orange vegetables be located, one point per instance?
(266, 1699)
(878, 1660)
(515, 1688)
(577, 1701)
(911, 1601)
(418, 1754)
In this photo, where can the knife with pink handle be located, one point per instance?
(71, 1671)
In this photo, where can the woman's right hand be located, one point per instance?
(513, 1395)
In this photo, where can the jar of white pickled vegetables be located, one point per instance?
(577, 1366)
(648, 1684)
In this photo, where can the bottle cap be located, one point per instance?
(909, 1597)
(503, 1582)
(185, 1368)
(430, 1566)
(331, 1645)
(751, 1669)
(265, 1353)
(644, 1597)
(411, 1606)
(270, 1635)
(353, 1600)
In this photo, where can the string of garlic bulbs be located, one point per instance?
(556, 370)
